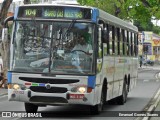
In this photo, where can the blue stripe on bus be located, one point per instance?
(41, 84)
(16, 13)
(95, 15)
(91, 81)
(9, 77)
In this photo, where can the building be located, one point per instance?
(150, 45)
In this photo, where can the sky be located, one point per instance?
(156, 22)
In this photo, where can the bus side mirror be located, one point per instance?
(4, 34)
(5, 31)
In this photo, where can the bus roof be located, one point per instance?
(115, 20)
(47, 4)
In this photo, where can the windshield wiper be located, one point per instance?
(69, 28)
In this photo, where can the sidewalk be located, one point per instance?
(155, 67)
(156, 105)
(156, 109)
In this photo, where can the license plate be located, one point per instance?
(76, 96)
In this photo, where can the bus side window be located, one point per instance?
(118, 47)
(131, 44)
(123, 42)
(128, 43)
(110, 41)
(116, 41)
(113, 40)
(135, 44)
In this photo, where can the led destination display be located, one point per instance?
(54, 12)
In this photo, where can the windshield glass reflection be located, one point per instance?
(53, 47)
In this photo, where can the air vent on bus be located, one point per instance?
(51, 90)
(48, 80)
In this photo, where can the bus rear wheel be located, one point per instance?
(30, 108)
(123, 98)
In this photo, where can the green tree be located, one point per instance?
(136, 10)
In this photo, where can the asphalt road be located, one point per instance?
(138, 99)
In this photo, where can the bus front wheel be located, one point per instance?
(30, 108)
(94, 110)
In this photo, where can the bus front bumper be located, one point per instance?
(51, 98)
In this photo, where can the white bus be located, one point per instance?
(45, 70)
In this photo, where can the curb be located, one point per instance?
(3, 94)
(151, 106)
(156, 100)
(146, 69)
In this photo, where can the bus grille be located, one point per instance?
(49, 80)
(51, 90)
(48, 99)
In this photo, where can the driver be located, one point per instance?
(83, 46)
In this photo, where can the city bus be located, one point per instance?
(45, 70)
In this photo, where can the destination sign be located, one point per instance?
(54, 12)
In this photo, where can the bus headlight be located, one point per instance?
(82, 89)
(16, 86)
(79, 89)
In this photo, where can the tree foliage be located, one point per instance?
(140, 11)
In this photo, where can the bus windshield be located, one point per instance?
(53, 47)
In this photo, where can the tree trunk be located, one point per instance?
(4, 10)
(4, 45)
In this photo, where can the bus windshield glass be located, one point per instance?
(53, 47)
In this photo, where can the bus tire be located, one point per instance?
(123, 98)
(30, 108)
(97, 109)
